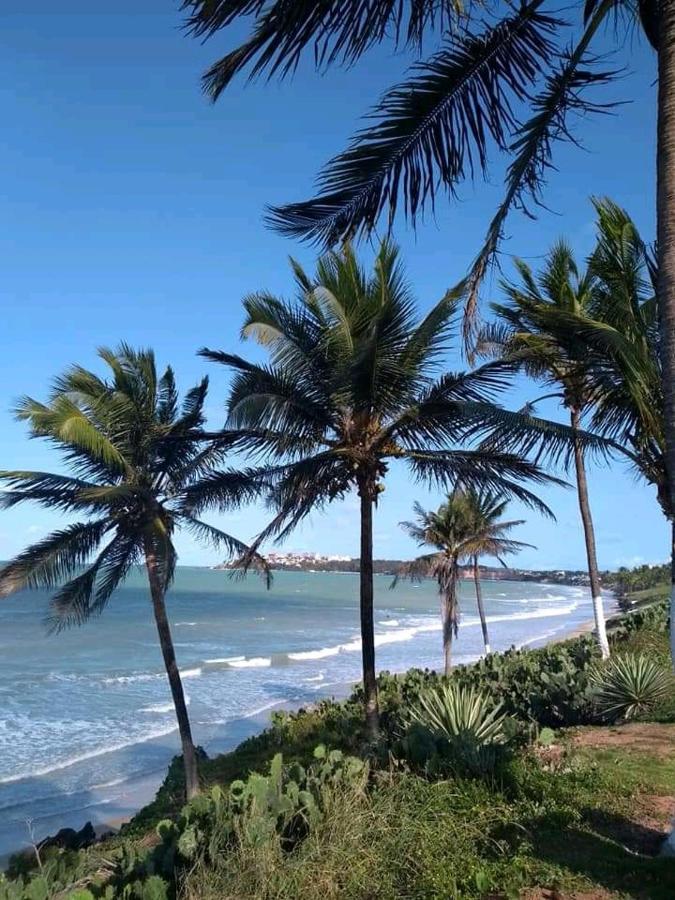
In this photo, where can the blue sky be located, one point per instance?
(132, 209)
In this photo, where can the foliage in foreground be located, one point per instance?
(326, 824)
(630, 685)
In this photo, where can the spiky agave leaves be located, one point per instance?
(628, 686)
(454, 711)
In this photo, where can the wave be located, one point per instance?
(219, 661)
(254, 662)
(315, 654)
(191, 673)
(162, 707)
(389, 623)
(92, 754)
(177, 624)
(131, 679)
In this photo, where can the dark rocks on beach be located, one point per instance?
(70, 839)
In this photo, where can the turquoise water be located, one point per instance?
(87, 713)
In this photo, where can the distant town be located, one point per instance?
(304, 561)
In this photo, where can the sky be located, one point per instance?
(132, 209)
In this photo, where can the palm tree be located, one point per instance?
(439, 127)
(449, 530)
(139, 471)
(621, 337)
(532, 330)
(461, 529)
(355, 381)
(489, 538)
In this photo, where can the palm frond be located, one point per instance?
(563, 94)
(480, 470)
(87, 594)
(432, 130)
(57, 557)
(336, 31)
(220, 540)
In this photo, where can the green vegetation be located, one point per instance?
(467, 795)
(630, 686)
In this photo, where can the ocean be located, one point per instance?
(86, 721)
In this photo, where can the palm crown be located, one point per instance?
(140, 468)
(355, 381)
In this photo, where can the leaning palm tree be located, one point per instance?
(140, 470)
(356, 382)
(489, 538)
(532, 330)
(508, 85)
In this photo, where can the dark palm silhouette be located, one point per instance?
(511, 84)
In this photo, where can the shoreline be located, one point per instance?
(109, 813)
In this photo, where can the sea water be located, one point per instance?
(86, 720)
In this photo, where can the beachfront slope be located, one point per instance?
(561, 811)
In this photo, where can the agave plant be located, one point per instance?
(453, 711)
(630, 685)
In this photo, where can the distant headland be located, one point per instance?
(304, 561)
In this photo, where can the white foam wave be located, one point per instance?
(162, 707)
(219, 661)
(130, 679)
(254, 662)
(92, 754)
(389, 623)
(319, 677)
(177, 624)
(191, 673)
(315, 654)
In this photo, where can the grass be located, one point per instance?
(567, 828)
(583, 817)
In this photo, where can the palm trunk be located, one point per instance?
(173, 674)
(672, 594)
(449, 615)
(665, 241)
(589, 536)
(367, 617)
(481, 608)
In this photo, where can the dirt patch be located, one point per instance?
(656, 739)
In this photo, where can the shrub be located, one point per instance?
(628, 686)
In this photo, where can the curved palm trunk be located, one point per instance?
(173, 674)
(367, 617)
(481, 608)
(665, 241)
(589, 536)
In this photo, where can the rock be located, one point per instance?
(70, 839)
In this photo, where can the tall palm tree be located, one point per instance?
(622, 345)
(509, 84)
(529, 332)
(490, 538)
(139, 471)
(355, 381)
